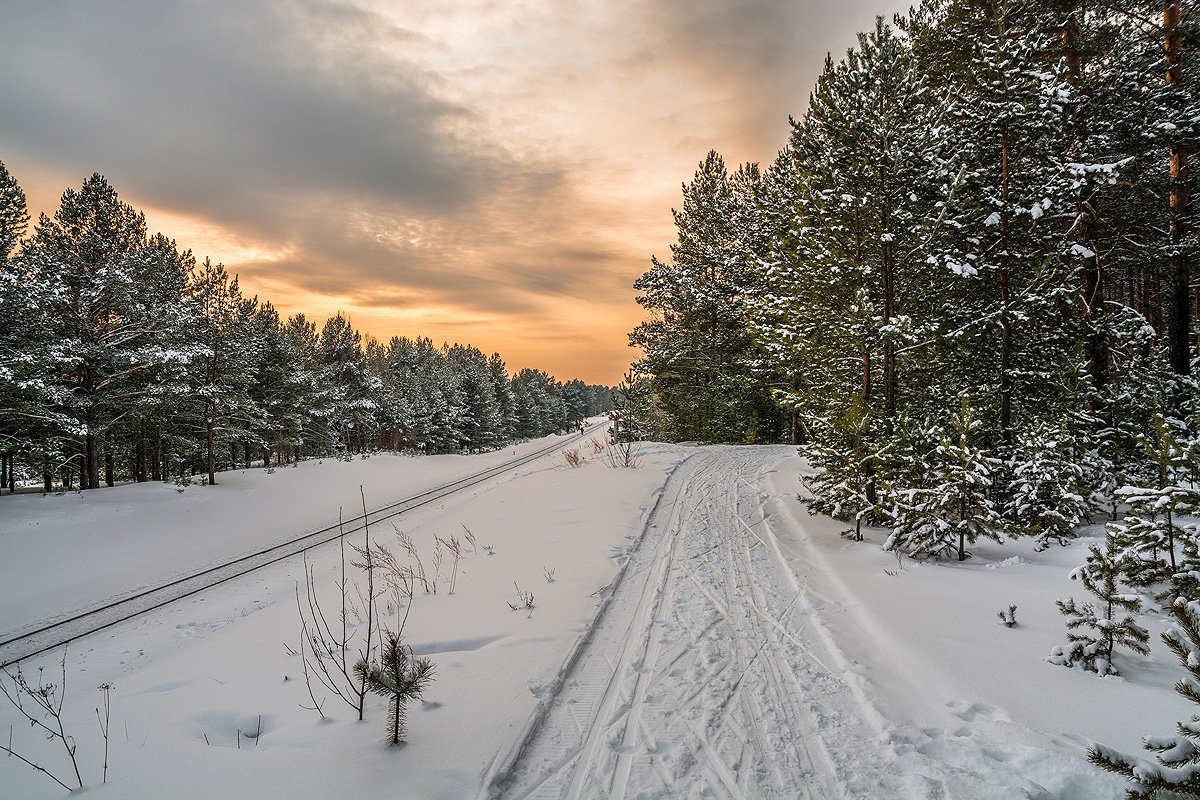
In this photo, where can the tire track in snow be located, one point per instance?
(694, 681)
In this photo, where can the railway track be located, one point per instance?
(19, 645)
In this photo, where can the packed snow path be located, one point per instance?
(698, 677)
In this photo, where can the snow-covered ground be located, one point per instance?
(746, 649)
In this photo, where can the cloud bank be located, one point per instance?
(491, 172)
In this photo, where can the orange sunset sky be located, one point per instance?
(494, 173)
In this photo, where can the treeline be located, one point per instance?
(964, 285)
(122, 358)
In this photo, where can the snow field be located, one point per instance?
(747, 651)
(210, 665)
(73, 551)
(925, 644)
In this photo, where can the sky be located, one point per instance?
(486, 172)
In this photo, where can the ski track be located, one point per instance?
(703, 676)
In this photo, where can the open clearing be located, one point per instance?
(694, 633)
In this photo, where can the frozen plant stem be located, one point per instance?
(104, 690)
(48, 700)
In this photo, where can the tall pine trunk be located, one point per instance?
(1179, 318)
(91, 459)
(1091, 278)
(1006, 343)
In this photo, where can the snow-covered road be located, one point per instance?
(699, 677)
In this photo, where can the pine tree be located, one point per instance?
(221, 374)
(400, 677)
(1177, 773)
(1104, 627)
(81, 263)
(956, 508)
(699, 355)
(1048, 499)
(1158, 534)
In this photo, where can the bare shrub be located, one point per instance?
(326, 646)
(524, 600)
(573, 457)
(470, 539)
(454, 547)
(419, 572)
(596, 445)
(41, 704)
(549, 573)
(622, 454)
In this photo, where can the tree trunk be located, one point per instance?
(160, 465)
(1005, 321)
(109, 469)
(139, 460)
(396, 719)
(1180, 321)
(1091, 279)
(212, 459)
(91, 461)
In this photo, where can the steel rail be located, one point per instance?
(237, 567)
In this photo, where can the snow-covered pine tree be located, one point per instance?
(344, 370)
(1160, 534)
(1177, 773)
(1096, 630)
(1048, 497)
(955, 508)
(697, 349)
(482, 416)
(1008, 259)
(221, 374)
(14, 215)
(276, 389)
(159, 324)
(637, 417)
(25, 394)
(848, 286)
(503, 392)
(80, 266)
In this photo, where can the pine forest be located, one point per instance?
(123, 359)
(964, 287)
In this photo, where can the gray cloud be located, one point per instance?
(396, 166)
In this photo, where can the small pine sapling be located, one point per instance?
(1047, 499)
(845, 485)
(1158, 534)
(1177, 773)
(940, 520)
(1105, 627)
(400, 677)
